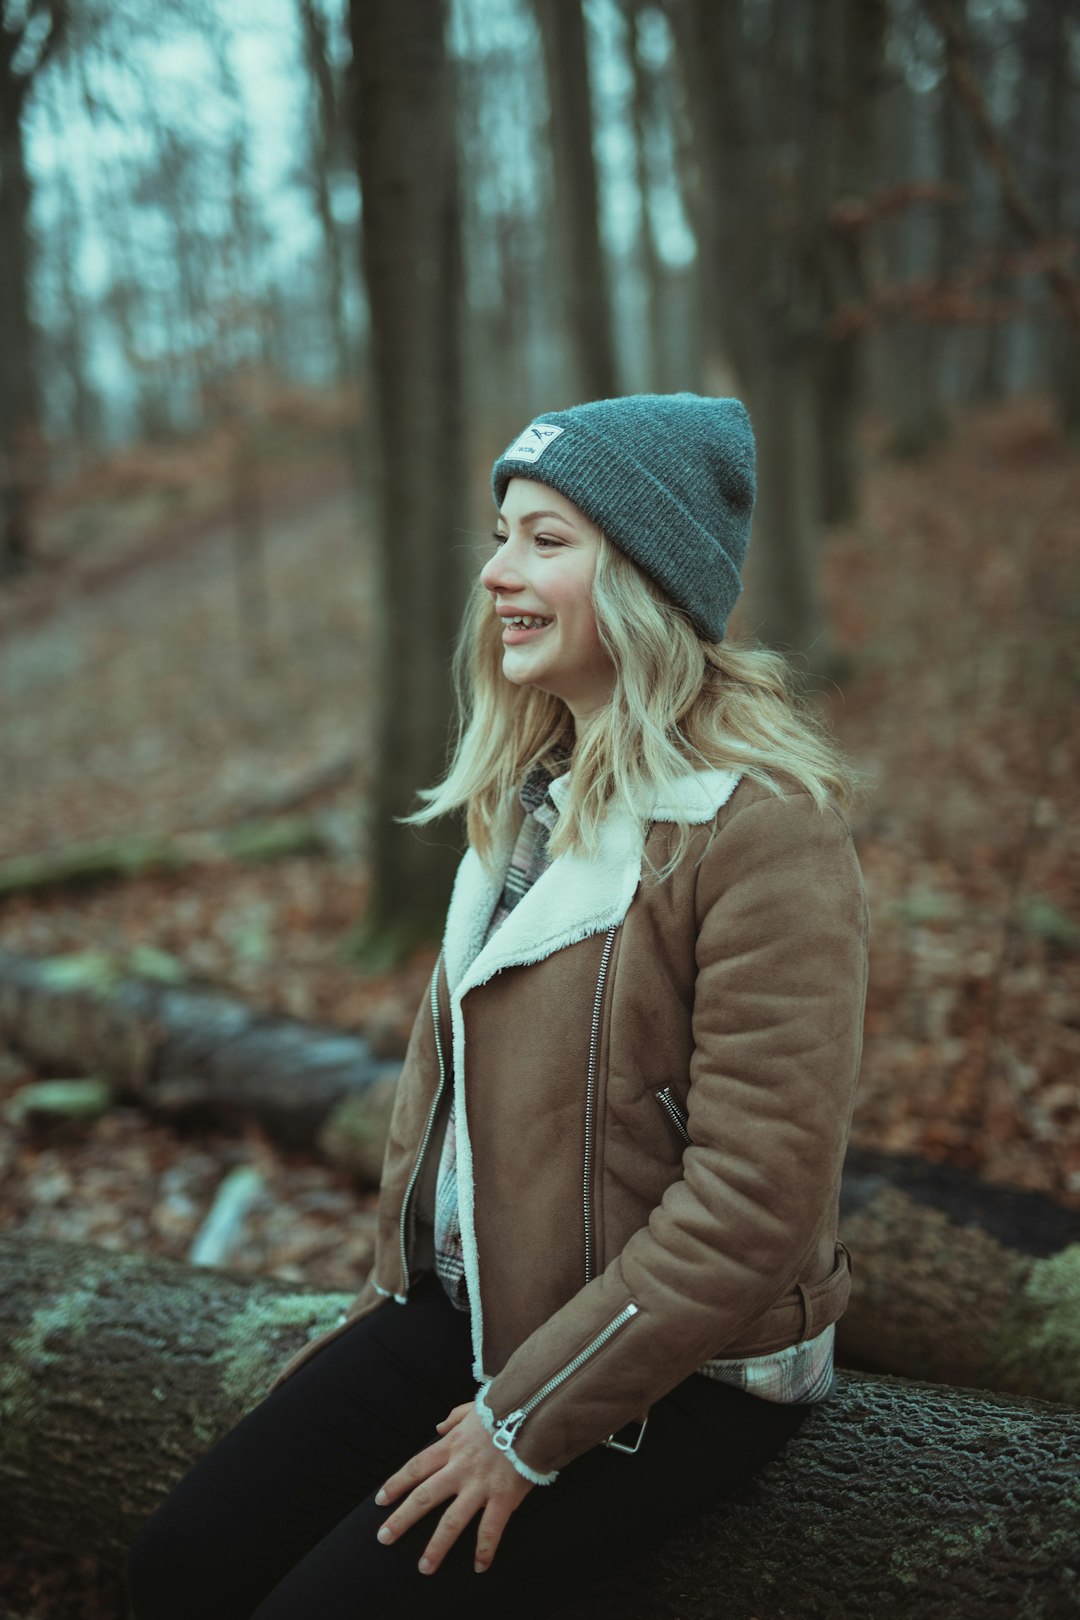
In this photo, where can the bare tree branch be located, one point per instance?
(1020, 209)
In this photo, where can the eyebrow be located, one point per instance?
(531, 517)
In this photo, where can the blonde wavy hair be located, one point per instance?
(678, 703)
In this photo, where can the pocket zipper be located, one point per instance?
(677, 1115)
(506, 1431)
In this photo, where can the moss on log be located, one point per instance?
(896, 1499)
(255, 840)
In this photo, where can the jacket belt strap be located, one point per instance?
(808, 1312)
(628, 1438)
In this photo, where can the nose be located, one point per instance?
(498, 573)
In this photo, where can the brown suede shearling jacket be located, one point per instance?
(606, 1258)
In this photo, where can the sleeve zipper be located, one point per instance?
(506, 1431)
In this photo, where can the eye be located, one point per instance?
(541, 539)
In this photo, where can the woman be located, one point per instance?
(606, 1262)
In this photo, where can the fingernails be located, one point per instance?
(425, 1566)
(380, 1497)
(479, 1568)
(385, 1534)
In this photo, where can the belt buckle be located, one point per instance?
(628, 1438)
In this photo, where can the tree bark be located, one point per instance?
(848, 57)
(903, 1499)
(406, 147)
(24, 52)
(1049, 26)
(116, 1373)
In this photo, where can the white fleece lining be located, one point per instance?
(574, 897)
(487, 1418)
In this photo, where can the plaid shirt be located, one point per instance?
(801, 1372)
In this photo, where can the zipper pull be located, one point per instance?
(506, 1432)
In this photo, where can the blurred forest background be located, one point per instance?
(277, 282)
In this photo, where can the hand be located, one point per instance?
(464, 1465)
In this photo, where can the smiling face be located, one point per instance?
(543, 567)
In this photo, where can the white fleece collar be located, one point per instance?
(698, 795)
(577, 895)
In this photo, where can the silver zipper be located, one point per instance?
(427, 1129)
(666, 1098)
(590, 1100)
(506, 1431)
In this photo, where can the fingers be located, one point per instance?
(452, 1523)
(492, 1525)
(417, 1468)
(416, 1504)
(463, 1465)
(454, 1418)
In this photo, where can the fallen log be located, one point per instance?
(956, 1280)
(117, 1372)
(191, 1056)
(959, 1280)
(252, 838)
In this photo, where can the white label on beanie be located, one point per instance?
(531, 445)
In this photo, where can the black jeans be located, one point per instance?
(278, 1520)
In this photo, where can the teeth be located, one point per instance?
(527, 623)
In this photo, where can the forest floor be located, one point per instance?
(174, 686)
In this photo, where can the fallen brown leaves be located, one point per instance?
(957, 599)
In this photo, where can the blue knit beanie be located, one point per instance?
(668, 477)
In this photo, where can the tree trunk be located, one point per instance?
(75, 340)
(766, 299)
(18, 381)
(849, 58)
(1058, 130)
(788, 610)
(406, 146)
(906, 352)
(584, 270)
(910, 388)
(902, 1499)
(25, 50)
(325, 149)
(654, 338)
